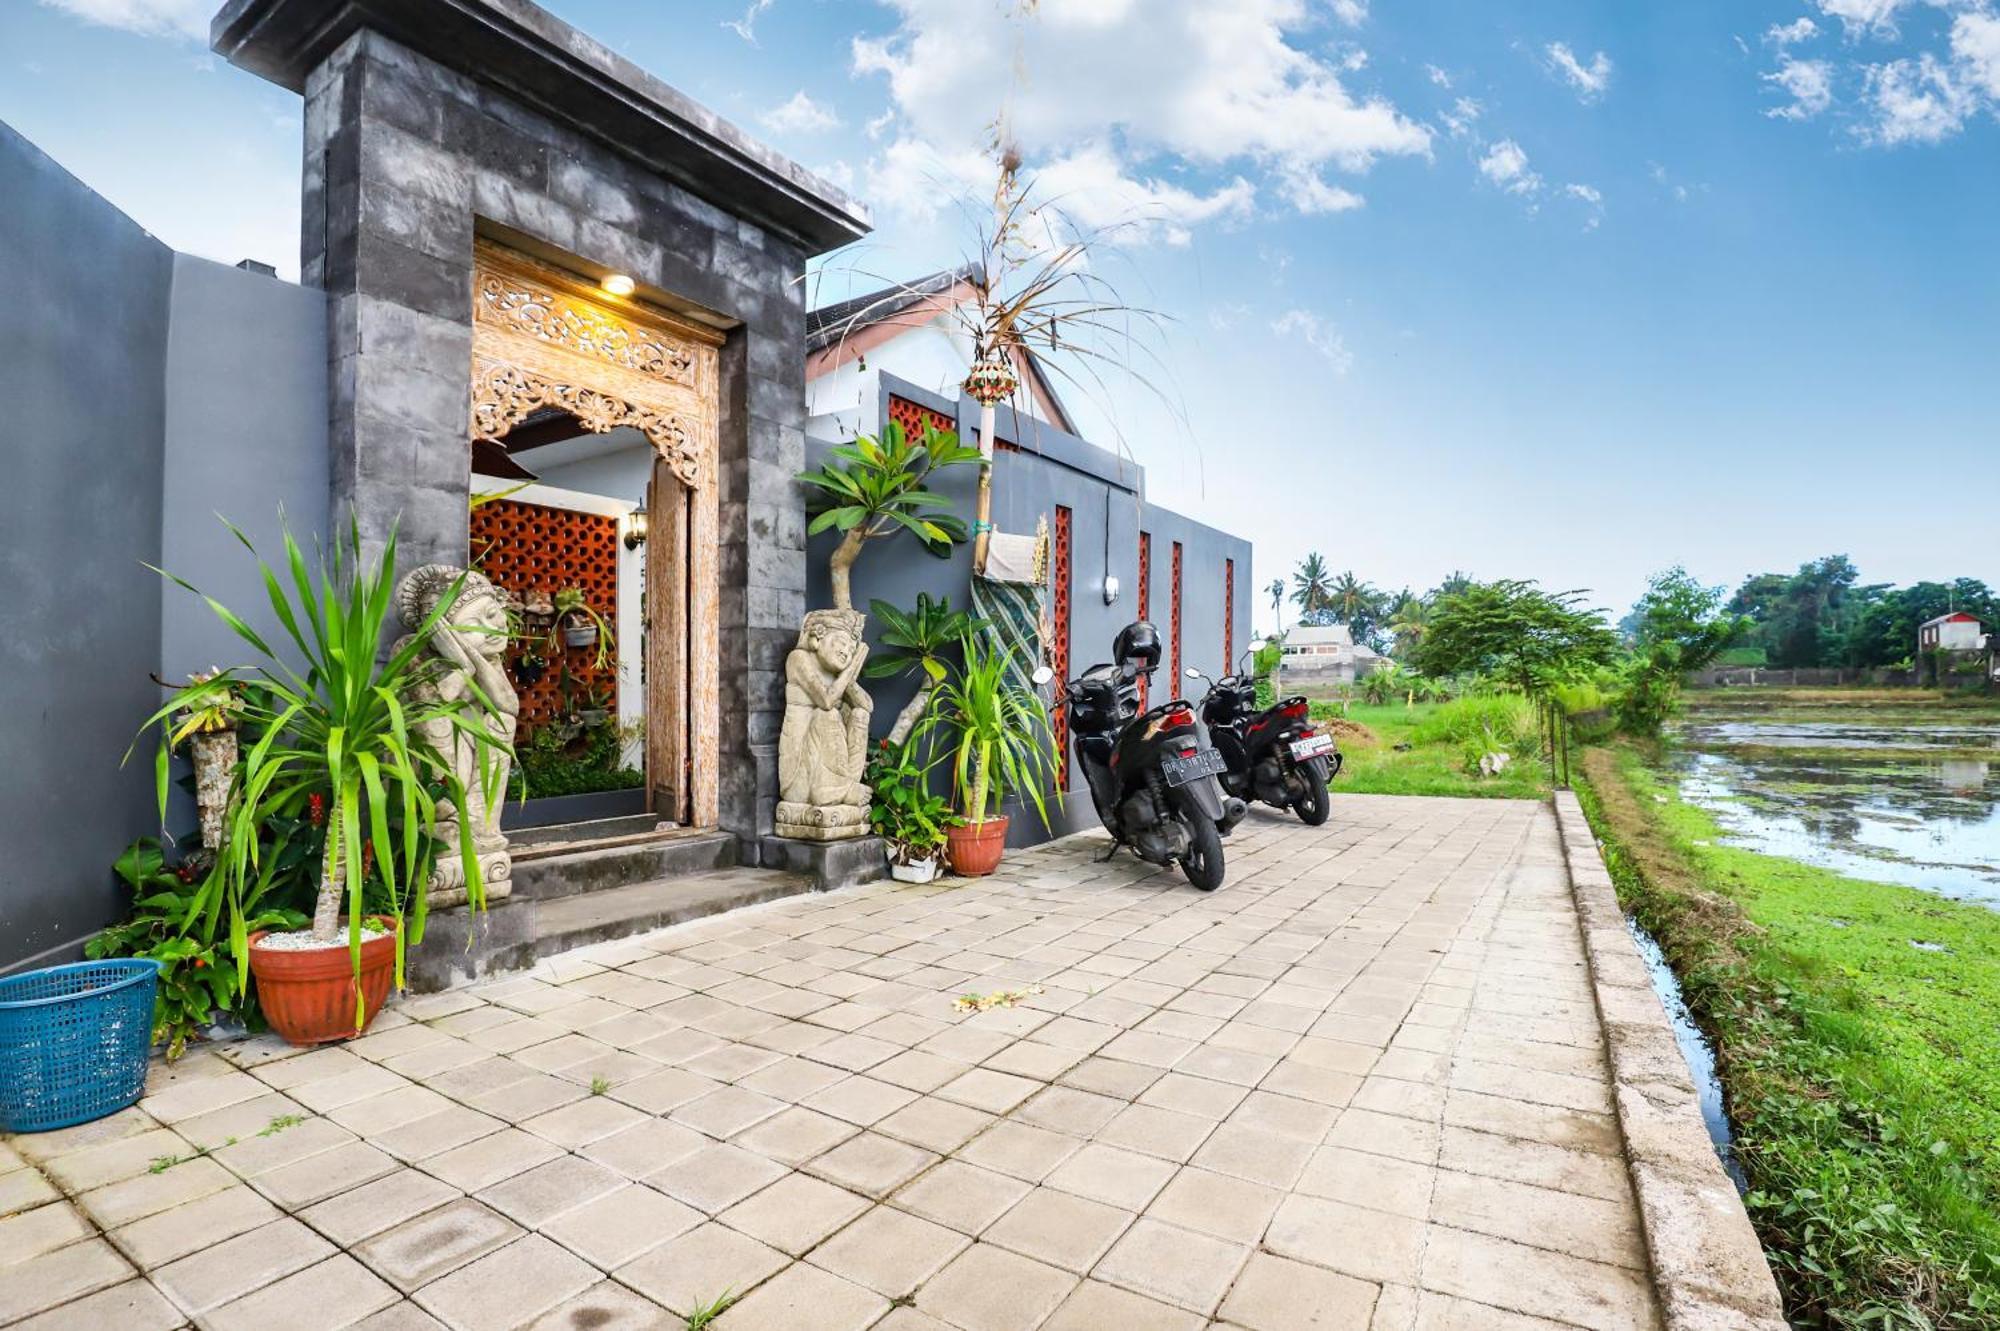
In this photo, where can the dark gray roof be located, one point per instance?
(830, 323)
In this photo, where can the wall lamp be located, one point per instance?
(635, 529)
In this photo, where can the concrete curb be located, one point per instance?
(1708, 1266)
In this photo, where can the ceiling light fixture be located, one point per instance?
(618, 284)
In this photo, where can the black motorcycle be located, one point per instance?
(1272, 754)
(1152, 774)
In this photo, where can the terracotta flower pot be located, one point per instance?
(976, 848)
(308, 995)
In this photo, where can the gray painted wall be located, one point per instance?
(82, 369)
(1102, 493)
(152, 386)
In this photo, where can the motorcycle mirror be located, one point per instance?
(1042, 675)
(1192, 673)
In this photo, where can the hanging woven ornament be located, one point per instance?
(991, 380)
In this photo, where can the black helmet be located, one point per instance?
(1138, 645)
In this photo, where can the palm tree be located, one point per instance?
(1277, 590)
(1312, 587)
(1409, 620)
(1351, 598)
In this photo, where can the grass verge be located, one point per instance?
(1862, 1073)
(1425, 768)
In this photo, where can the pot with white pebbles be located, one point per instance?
(307, 985)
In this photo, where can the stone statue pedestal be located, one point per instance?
(820, 822)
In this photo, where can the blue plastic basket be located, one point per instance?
(74, 1041)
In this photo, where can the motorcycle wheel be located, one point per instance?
(1313, 806)
(1203, 862)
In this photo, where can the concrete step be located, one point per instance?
(546, 872)
(597, 829)
(562, 923)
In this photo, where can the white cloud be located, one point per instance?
(1592, 200)
(1222, 84)
(1316, 333)
(1860, 18)
(1351, 12)
(1438, 76)
(746, 27)
(1307, 192)
(1506, 165)
(1589, 80)
(1809, 83)
(1091, 188)
(153, 18)
(1801, 29)
(1463, 118)
(801, 115)
(1975, 41)
(1667, 182)
(1917, 101)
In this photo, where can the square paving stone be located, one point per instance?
(508, 1287)
(989, 1289)
(333, 1294)
(1374, 1181)
(373, 1207)
(133, 1306)
(605, 1306)
(146, 1194)
(645, 1148)
(1112, 1175)
(436, 1133)
(541, 1194)
(794, 1213)
(237, 1266)
(1273, 1294)
(805, 1298)
(961, 1196)
(1096, 1306)
(1059, 1228)
(1162, 1132)
(860, 1100)
(701, 1265)
(1536, 1281)
(793, 1079)
(889, 1251)
(583, 1122)
(727, 1111)
(1175, 1265)
(716, 1177)
(482, 1163)
(260, 1154)
(57, 1277)
(934, 1124)
(1255, 1154)
(1025, 1152)
(796, 1135)
(1371, 1245)
(159, 1239)
(434, 1244)
(994, 1092)
(327, 1174)
(1219, 1204)
(43, 1229)
(871, 1164)
(620, 1225)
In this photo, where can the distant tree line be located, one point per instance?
(1823, 615)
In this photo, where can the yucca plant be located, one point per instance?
(1001, 736)
(333, 728)
(874, 488)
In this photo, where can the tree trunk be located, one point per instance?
(839, 565)
(906, 720)
(332, 885)
(214, 774)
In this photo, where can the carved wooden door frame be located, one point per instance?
(542, 337)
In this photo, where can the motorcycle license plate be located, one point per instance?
(1312, 746)
(1180, 771)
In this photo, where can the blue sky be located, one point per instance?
(1557, 290)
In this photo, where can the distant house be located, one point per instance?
(1327, 655)
(1955, 632)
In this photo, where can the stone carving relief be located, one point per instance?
(467, 647)
(823, 744)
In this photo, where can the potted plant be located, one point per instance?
(339, 738)
(1000, 743)
(915, 643)
(581, 625)
(529, 667)
(907, 814)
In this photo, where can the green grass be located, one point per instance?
(1863, 1074)
(1433, 765)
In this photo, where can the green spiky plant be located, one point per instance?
(918, 642)
(330, 717)
(1002, 741)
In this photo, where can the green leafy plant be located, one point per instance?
(586, 763)
(905, 812)
(703, 1315)
(573, 607)
(1000, 735)
(1515, 632)
(198, 973)
(876, 487)
(332, 719)
(918, 643)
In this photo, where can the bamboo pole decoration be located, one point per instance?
(990, 380)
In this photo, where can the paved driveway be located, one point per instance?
(1362, 1086)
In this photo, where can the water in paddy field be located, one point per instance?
(1695, 1051)
(1895, 794)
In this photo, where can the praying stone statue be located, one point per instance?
(823, 746)
(467, 647)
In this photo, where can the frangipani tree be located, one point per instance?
(876, 487)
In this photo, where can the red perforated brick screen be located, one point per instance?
(529, 547)
(1059, 610)
(1145, 598)
(1177, 619)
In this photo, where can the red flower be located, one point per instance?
(316, 809)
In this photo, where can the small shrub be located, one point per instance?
(1509, 719)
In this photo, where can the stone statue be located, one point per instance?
(467, 646)
(823, 746)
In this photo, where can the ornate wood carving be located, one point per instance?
(542, 338)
